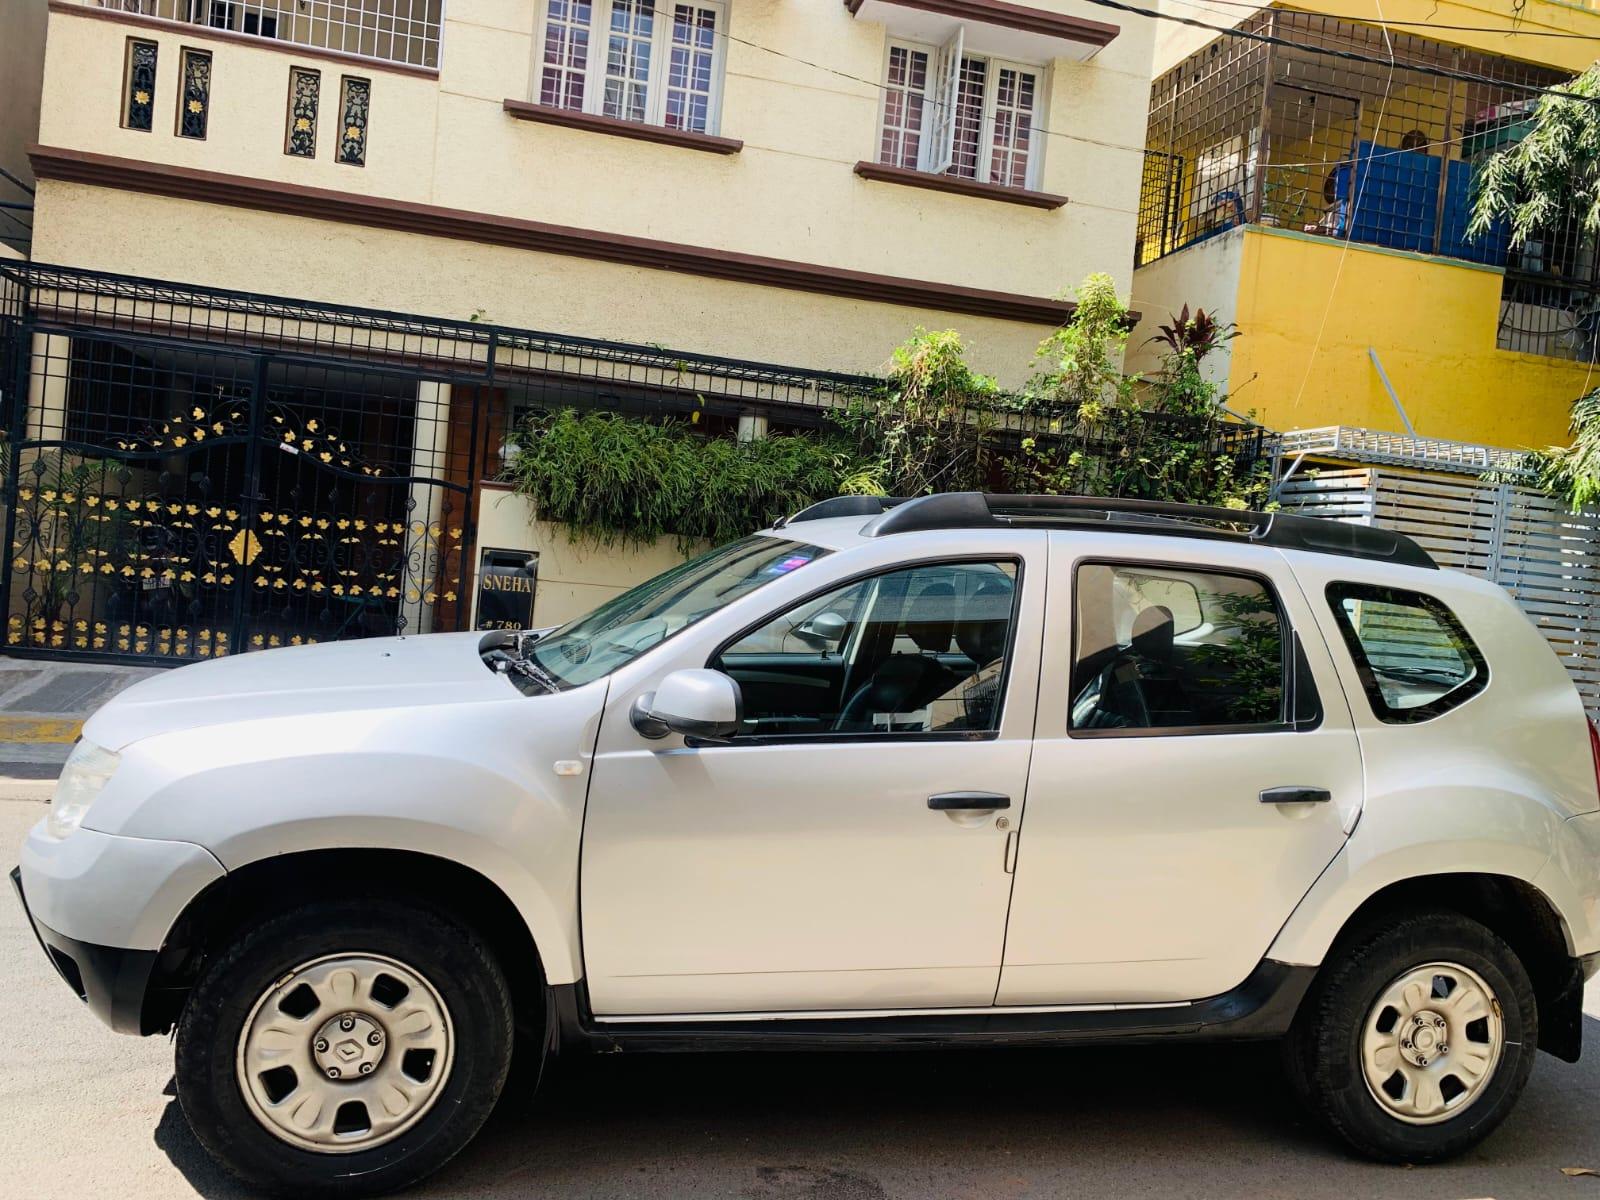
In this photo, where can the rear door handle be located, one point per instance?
(968, 802)
(1296, 795)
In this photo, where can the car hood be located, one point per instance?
(373, 673)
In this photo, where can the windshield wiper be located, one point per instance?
(532, 670)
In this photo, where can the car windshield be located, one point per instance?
(623, 628)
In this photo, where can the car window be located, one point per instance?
(1174, 649)
(916, 651)
(1414, 657)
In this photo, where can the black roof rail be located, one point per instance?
(978, 510)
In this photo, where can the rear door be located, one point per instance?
(1195, 769)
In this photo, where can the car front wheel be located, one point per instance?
(347, 1046)
(1417, 1038)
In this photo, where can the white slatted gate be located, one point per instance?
(1547, 557)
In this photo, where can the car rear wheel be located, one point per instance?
(1417, 1038)
(349, 1046)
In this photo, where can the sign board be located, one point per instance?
(506, 582)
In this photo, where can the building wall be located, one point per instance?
(574, 577)
(790, 193)
(22, 38)
(1308, 311)
(1512, 30)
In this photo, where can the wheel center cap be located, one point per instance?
(348, 1046)
(1424, 1036)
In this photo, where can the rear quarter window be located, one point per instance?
(1415, 659)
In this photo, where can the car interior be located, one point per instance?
(912, 651)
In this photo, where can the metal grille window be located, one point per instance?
(565, 53)
(904, 107)
(194, 93)
(139, 85)
(401, 31)
(656, 63)
(949, 112)
(1291, 137)
(300, 136)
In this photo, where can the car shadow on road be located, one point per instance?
(1173, 1120)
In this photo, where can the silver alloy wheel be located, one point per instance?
(1431, 1043)
(344, 1053)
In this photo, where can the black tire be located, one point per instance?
(457, 963)
(1323, 1050)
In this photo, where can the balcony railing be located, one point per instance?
(1244, 132)
(396, 31)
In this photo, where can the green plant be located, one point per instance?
(1570, 473)
(929, 430)
(611, 478)
(1552, 174)
(1082, 377)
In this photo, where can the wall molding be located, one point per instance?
(545, 114)
(228, 36)
(883, 173)
(242, 191)
(1013, 16)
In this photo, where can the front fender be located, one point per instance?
(476, 787)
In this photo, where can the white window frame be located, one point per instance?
(931, 153)
(594, 75)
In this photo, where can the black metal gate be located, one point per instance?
(175, 500)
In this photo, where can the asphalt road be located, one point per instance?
(84, 1112)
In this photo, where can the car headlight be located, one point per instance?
(87, 770)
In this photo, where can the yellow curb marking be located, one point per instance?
(39, 729)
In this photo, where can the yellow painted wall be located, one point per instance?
(1432, 322)
(790, 193)
(1513, 30)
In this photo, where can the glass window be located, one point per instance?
(654, 62)
(1414, 658)
(1166, 648)
(959, 114)
(625, 627)
(916, 651)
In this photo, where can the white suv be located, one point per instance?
(961, 770)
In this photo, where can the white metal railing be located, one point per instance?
(398, 31)
(1352, 444)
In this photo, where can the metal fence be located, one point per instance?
(1547, 557)
(401, 31)
(1289, 137)
(191, 471)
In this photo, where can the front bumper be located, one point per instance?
(110, 980)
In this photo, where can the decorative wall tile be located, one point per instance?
(300, 135)
(139, 88)
(355, 94)
(194, 92)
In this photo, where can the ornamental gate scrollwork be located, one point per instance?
(181, 503)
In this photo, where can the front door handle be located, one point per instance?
(968, 802)
(1296, 795)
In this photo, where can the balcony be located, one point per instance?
(399, 32)
(1246, 133)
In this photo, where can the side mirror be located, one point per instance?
(824, 629)
(696, 703)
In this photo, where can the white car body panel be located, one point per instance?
(1148, 869)
(805, 876)
(771, 879)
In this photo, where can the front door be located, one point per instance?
(850, 848)
(1195, 770)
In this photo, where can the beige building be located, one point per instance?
(391, 226)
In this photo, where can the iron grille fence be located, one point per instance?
(1245, 132)
(401, 31)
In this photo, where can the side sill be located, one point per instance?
(1260, 1008)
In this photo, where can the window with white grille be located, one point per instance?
(948, 111)
(654, 61)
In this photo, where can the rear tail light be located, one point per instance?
(1594, 751)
